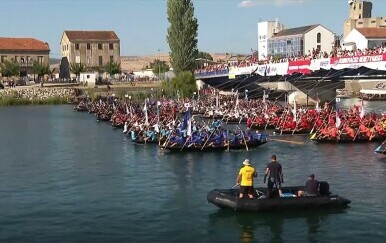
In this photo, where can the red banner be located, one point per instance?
(302, 66)
(359, 59)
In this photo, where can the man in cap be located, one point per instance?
(245, 179)
(312, 187)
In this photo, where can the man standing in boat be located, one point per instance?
(274, 173)
(245, 179)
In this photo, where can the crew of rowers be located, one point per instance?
(257, 114)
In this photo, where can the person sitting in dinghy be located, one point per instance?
(312, 188)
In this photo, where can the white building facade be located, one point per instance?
(319, 38)
(266, 30)
(300, 41)
(365, 38)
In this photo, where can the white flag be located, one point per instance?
(294, 111)
(146, 116)
(317, 108)
(362, 114)
(337, 123)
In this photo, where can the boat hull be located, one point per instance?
(240, 146)
(228, 199)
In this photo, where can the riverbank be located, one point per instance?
(55, 94)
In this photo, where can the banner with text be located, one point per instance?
(370, 61)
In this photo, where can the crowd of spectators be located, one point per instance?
(39, 93)
(336, 52)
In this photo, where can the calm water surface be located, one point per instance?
(65, 177)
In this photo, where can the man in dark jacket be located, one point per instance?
(274, 173)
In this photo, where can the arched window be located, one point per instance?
(318, 38)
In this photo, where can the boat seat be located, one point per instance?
(287, 194)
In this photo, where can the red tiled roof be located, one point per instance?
(91, 35)
(23, 44)
(379, 33)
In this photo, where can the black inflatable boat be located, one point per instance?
(228, 198)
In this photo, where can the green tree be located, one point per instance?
(159, 66)
(77, 68)
(182, 35)
(184, 82)
(9, 69)
(113, 68)
(204, 55)
(41, 69)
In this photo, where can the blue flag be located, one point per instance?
(185, 122)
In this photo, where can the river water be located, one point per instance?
(66, 177)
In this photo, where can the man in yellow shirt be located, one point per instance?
(245, 179)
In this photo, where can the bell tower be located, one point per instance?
(360, 9)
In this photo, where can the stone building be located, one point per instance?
(25, 51)
(93, 49)
(360, 17)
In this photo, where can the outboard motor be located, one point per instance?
(324, 188)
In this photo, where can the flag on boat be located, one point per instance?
(187, 123)
(337, 119)
(317, 108)
(146, 116)
(237, 100)
(294, 111)
(362, 112)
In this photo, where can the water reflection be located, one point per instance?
(254, 227)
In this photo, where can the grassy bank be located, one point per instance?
(15, 101)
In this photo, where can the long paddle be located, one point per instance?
(203, 146)
(245, 142)
(187, 139)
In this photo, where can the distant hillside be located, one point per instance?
(137, 63)
(54, 61)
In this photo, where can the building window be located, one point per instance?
(360, 16)
(111, 46)
(40, 59)
(76, 46)
(88, 46)
(100, 60)
(22, 60)
(111, 58)
(360, 6)
(3, 58)
(28, 59)
(99, 46)
(373, 21)
(360, 22)
(318, 38)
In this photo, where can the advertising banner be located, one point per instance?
(369, 61)
(301, 66)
